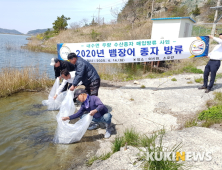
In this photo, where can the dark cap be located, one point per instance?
(220, 34)
(56, 60)
(78, 92)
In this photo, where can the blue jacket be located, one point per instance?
(85, 72)
(94, 103)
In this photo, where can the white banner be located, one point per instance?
(137, 50)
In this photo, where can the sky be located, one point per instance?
(27, 15)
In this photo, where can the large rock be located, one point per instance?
(198, 139)
(124, 159)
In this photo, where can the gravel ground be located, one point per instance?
(163, 103)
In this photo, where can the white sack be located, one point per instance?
(69, 133)
(51, 103)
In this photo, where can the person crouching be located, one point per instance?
(95, 107)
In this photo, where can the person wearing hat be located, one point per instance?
(67, 78)
(95, 107)
(213, 64)
(60, 65)
(86, 73)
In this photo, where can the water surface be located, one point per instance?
(13, 56)
(26, 127)
(27, 130)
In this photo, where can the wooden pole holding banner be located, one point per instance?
(151, 65)
(158, 62)
(144, 65)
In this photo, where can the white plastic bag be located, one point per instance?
(51, 103)
(69, 133)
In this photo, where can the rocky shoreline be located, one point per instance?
(154, 104)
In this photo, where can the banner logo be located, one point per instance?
(64, 51)
(197, 47)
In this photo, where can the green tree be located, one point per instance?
(60, 24)
(196, 11)
(47, 32)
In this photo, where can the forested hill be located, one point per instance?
(7, 31)
(32, 32)
(37, 31)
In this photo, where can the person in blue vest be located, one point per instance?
(86, 73)
(95, 107)
(213, 64)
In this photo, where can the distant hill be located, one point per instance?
(37, 31)
(7, 31)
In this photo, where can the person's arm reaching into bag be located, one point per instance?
(64, 82)
(76, 115)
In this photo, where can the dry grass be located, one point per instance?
(14, 80)
(37, 45)
(115, 32)
(106, 32)
(12, 47)
(191, 122)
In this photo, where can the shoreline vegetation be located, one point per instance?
(144, 144)
(26, 79)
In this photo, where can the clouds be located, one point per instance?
(26, 15)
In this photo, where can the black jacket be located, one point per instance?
(85, 72)
(63, 65)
